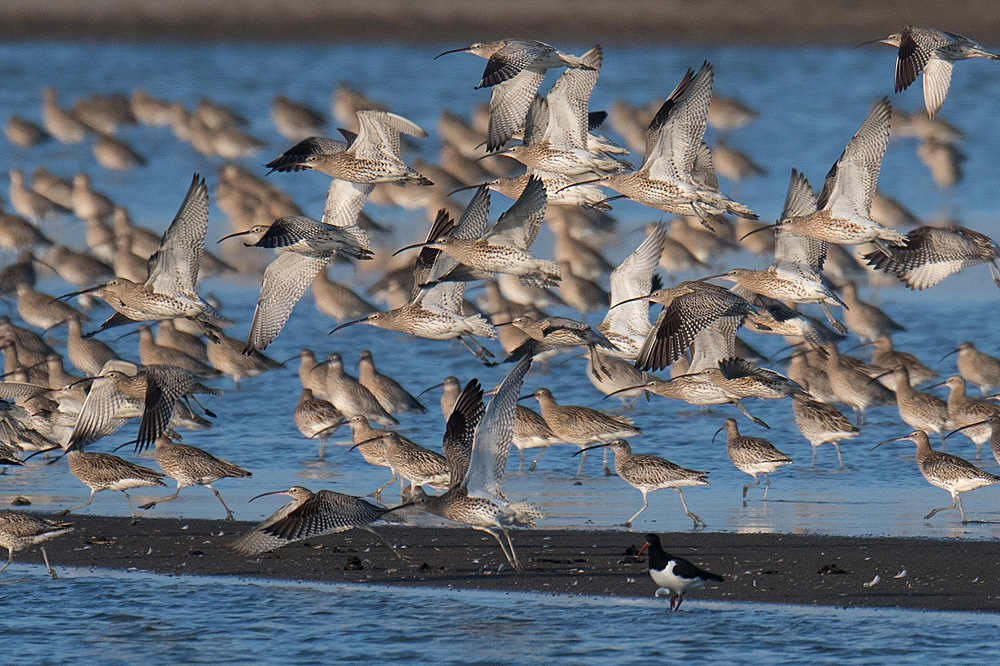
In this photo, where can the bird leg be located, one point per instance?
(480, 353)
(955, 501)
(690, 515)
(520, 465)
(229, 514)
(150, 505)
(391, 547)
(583, 459)
(812, 465)
(531, 468)
(607, 470)
(747, 414)
(767, 484)
(756, 482)
(10, 558)
(679, 598)
(628, 523)
(839, 459)
(87, 503)
(514, 562)
(837, 325)
(135, 518)
(48, 567)
(207, 412)
(322, 449)
(388, 483)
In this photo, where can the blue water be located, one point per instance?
(811, 101)
(131, 618)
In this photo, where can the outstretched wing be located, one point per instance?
(174, 267)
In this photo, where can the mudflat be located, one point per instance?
(769, 568)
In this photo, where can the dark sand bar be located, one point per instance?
(769, 568)
(779, 22)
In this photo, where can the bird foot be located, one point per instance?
(229, 516)
(64, 512)
(52, 572)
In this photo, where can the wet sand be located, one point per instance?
(632, 22)
(769, 568)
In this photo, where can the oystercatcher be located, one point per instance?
(674, 575)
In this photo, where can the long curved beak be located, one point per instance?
(373, 439)
(724, 276)
(717, 433)
(125, 335)
(525, 397)
(431, 388)
(630, 300)
(411, 247)
(80, 381)
(757, 230)
(688, 374)
(273, 492)
(582, 182)
(499, 153)
(872, 41)
(467, 187)
(348, 323)
(595, 446)
(627, 388)
(461, 50)
(238, 233)
(953, 351)
(92, 289)
(934, 385)
(880, 376)
(860, 345)
(290, 359)
(894, 439)
(966, 427)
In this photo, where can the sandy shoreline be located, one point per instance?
(635, 22)
(769, 568)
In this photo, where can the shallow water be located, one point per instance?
(128, 617)
(811, 101)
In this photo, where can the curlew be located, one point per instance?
(310, 515)
(389, 393)
(752, 455)
(821, 423)
(647, 473)
(933, 53)
(103, 471)
(945, 471)
(191, 466)
(581, 425)
(21, 530)
(977, 367)
(316, 419)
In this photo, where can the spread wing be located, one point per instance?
(174, 267)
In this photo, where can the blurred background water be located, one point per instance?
(811, 101)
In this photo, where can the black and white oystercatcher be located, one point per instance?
(675, 575)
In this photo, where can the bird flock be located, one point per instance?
(545, 153)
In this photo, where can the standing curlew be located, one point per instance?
(169, 291)
(820, 423)
(348, 395)
(86, 354)
(851, 386)
(371, 445)
(992, 426)
(581, 425)
(647, 473)
(752, 455)
(103, 471)
(888, 358)
(452, 388)
(531, 432)
(317, 419)
(191, 466)
(863, 319)
(933, 253)
(945, 471)
(310, 515)
(412, 462)
(977, 367)
(230, 357)
(393, 397)
(153, 353)
(514, 70)
(20, 530)
(967, 413)
(673, 574)
(931, 52)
